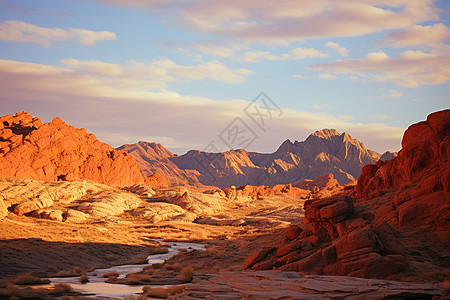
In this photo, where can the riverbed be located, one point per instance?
(98, 287)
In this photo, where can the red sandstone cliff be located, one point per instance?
(55, 150)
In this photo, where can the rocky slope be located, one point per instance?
(291, 285)
(325, 151)
(154, 159)
(395, 219)
(57, 151)
(415, 185)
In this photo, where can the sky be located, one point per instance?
(219, 74)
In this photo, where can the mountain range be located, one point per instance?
(323, 152)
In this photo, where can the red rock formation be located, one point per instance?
(156, 181)
(417, 181)
(54, 151)
(154, 159)
(337, 240)
(322, 186)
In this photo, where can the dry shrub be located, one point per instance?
(110, 275)
(445, 287)
(162, 292)
(40, 293)
(84, 278)
(186, 274)
(76, 271)
(140, 261)
(60, 288)
(133, 279)
(158, 250)
(13, 291)
(173, 267)
(27, 278)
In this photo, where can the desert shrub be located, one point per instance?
(13, 291)
(445, 287)
(60, 288)
(162, 292)
(84, 278)
(133, 279)
(173, 267)
(112, 274)
(158, 250)
(76, 271)
(110, 257)
(140, 261)
(186, 274)
(27, 278)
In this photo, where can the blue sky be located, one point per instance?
(179, 72)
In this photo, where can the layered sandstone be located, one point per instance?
(56, 151)
(415, 185)
(336, 240)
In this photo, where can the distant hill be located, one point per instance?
(323, 152)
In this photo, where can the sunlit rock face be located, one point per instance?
(57, 151)
(418, 178)
(323, 152)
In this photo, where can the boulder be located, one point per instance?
(337, 240)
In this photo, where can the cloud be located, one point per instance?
(299, 76)
(111, 108)
(418, 35)
(295, 54)
(208, 47)
(302, 53)
(327, 76)
(381, 117)
(335, 46)
(21, 9)
(317, 106)
(410, 69)
(266, 21)
(18, 31)
(392, 93)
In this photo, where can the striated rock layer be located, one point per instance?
(336, 240)
(418, 179)
(56, 151)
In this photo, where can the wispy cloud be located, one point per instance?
(381, 117)
(335, 46)
(294, 54)
(389, 93)
(317, 106)
(418, 35)
(327, 76)
(266, 21)
(299, 76)
(410, 69)
(18, 31)
(95, 96)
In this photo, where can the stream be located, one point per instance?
(97, 286)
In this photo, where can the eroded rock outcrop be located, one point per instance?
(335, 240)
(322, 186)
(291, 285)
(415, 185)
(56, 151)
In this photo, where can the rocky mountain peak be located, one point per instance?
(325, 133)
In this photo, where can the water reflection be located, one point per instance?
(97, 286)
